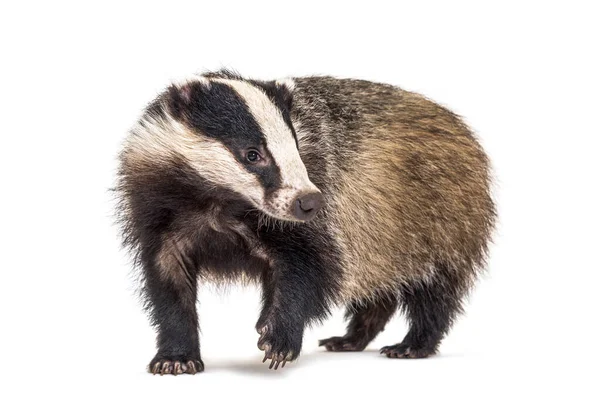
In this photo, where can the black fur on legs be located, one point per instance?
(297, 290)
(169, 259)
(367, 319)
(172, 309)
(431, 307)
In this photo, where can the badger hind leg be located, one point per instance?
(430, 306)
(367, 319)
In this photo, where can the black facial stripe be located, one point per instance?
(269, 175)
(282, 98)
(279, 94)
(216, 110)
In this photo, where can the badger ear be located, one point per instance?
(286, 87)
(180, 96)
(287, 98)
(279, 93)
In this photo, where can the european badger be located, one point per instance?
(324, 191)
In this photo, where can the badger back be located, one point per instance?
(410, 182)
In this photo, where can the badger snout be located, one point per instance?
(306, 206)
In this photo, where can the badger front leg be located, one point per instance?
(292, 298)
(170, 291)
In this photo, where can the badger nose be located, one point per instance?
(307, 206)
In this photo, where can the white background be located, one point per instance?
(74, 77)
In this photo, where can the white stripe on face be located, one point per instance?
(153, 140)
(279, 139)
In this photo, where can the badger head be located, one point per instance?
(237, 135)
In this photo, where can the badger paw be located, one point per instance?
(342, 344)
(166, 366)
(406, 351)
(278, 347)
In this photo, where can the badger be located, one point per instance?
(324, 192)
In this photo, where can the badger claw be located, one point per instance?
(276, 360)
(278, 356)
(342, 344)
(175, 367)
(405, 351)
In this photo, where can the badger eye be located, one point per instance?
(253, 156)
